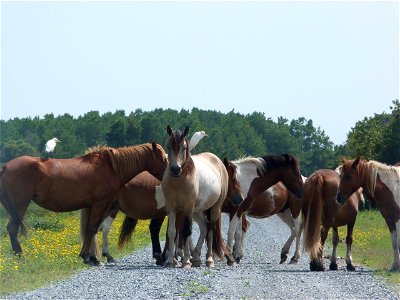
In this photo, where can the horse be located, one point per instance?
(257, 175)
(275, 200)
(321, 209)
(193, 185)
(139, 199)
(381, 183)
(90, 181)
(143, 198)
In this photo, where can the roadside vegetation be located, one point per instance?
(51, 249)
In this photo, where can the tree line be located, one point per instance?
(232, 135)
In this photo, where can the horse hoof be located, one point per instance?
(283, 258)
(350, 267)
(231, 263)
(172, 264)
(186, 265)
(316, 267)
(238, 259)
(210, 264)
(111, 260)
(333, 267)
(293, 261)
(196, 263)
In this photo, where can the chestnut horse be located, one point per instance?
(275, 200)
(255, 176)
(321, 209)
(381, 183)
(90, 181)
(193, 185)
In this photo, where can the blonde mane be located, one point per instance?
(124, 159)
(372, 169)
(260, 165)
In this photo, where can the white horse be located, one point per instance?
(274, 200)
(194, 185)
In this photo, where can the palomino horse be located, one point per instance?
(257, 175)
(381, 183)
(89, 181)
(140, 199)
(275, 200)
(321, 209)
(193, 185)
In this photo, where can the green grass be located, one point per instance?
(52, 246)
(372, 247)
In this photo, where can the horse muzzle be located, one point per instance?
(236, 200)
(176, 171)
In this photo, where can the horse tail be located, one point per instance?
(9, 206)
(218, 244)
(313, 201)
(127, 229)
(84, 219)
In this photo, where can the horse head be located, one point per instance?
(178, 150)
(291, 176)
(234, 195)
(349, 179)
(160, 161)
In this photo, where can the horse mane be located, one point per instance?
(257, 161)
(372, 169)
(124, 159)
(273, 162)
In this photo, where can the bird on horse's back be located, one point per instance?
(89, 181)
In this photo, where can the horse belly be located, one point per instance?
(263, 206)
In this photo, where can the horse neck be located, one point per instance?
(246, 172)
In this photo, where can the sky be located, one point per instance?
(332, 62)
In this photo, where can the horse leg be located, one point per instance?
(186, 234)
(394, 228)
(240, 233)
(106, 227)
(335, 241)
(286, 217)
(96, 215)
(201, 220)
(155, 227)
(170, 262)
(298, 228)
(324, 235)
(349, 241)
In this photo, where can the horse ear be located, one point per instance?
(356, 162)
(169, 130)
(343, 159)
(154, 146)
(185, 133)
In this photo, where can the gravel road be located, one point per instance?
(259, 276)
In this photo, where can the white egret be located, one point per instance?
(51, 144)
(196, 137)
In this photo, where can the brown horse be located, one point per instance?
(275, 200)
(256, 175)
(90, 181)
(321, 209)
(381, 183)
(193, 185)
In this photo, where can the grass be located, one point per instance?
(372, 247)
(52, 246)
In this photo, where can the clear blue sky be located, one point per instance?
(332, 62)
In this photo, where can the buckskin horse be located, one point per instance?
(321, 212)
(90, 181)
(193, 185)
(381, 183)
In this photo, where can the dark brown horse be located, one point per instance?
(381, 183)
(321, 212)
(90, 181)
(275, 200)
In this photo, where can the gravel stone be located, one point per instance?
(258, 276)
